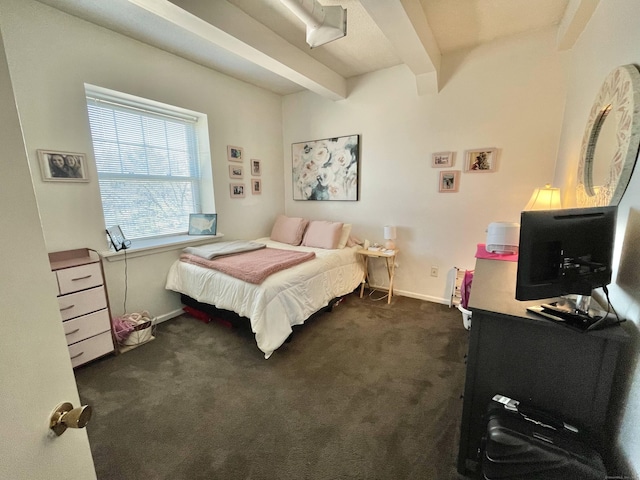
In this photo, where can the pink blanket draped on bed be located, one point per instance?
(254, 266)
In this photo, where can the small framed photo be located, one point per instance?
(235, 171)
(481, 160)
(203, 223)
(234, 154)
(117, 238)
(442, 159)
(449, 181)
(237, 190)
(256, 186)
(63, 166)
(255, 167)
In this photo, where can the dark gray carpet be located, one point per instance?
(368, 391)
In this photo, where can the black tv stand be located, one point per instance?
(573, 318)
(513, 352)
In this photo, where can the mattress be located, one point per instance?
(284, 299)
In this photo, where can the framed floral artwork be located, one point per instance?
(449, 181)
(326, 169)
(481, 160)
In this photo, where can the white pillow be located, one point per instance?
(346, 231)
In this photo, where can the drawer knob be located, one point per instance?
(65, 416)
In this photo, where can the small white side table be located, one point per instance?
(390, 256)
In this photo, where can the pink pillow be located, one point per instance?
(322, 234)
(288, 229)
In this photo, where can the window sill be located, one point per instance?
(151, 246)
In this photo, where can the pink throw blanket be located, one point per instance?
(254, 266)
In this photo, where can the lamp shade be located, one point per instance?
(390, 236)
(546, 198)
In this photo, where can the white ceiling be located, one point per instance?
(263, 43)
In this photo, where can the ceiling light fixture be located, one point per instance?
(324, 24)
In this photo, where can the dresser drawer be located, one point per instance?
(90, 348)
(79, 328)
(81, 303)
(79, 278)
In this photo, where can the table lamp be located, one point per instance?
(389, 236)
(546, 198)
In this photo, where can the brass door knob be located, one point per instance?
(65, 416)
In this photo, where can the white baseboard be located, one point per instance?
(169, 316)
(418, 296)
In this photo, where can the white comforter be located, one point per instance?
(284, 299)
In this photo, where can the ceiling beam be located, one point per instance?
(405, 25)
(230, 28)
(574, 21)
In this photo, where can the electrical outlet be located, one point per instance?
(434, 271)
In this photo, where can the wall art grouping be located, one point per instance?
(326, 169)
(477, 160)
(235, 155)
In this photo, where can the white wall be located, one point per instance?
(611, 39)
(51, 55)
(508, 95)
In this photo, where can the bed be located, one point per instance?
(284, 299)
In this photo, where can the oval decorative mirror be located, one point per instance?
(611, 140)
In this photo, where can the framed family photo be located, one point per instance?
(235, 171)
(449, 181)
(63, 166)
(255, 167)
(256, 186)
(234, 154)
(442, 159)
(481, 160)
(236, 190)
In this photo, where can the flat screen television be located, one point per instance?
(566, 252)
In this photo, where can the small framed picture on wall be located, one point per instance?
(237, 190)
(449, 181)
(256, 186)
(234, 154)
(481, 160)
(235, 171)
(442, 160)
(255, 167)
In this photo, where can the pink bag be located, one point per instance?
(465, 288)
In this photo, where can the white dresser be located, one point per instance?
(83, 304)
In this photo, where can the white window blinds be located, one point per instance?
(147, 163)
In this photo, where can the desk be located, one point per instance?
(533, 360)
(391, 267)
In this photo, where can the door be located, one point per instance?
(35, 368)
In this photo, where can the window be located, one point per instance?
(147, 157)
